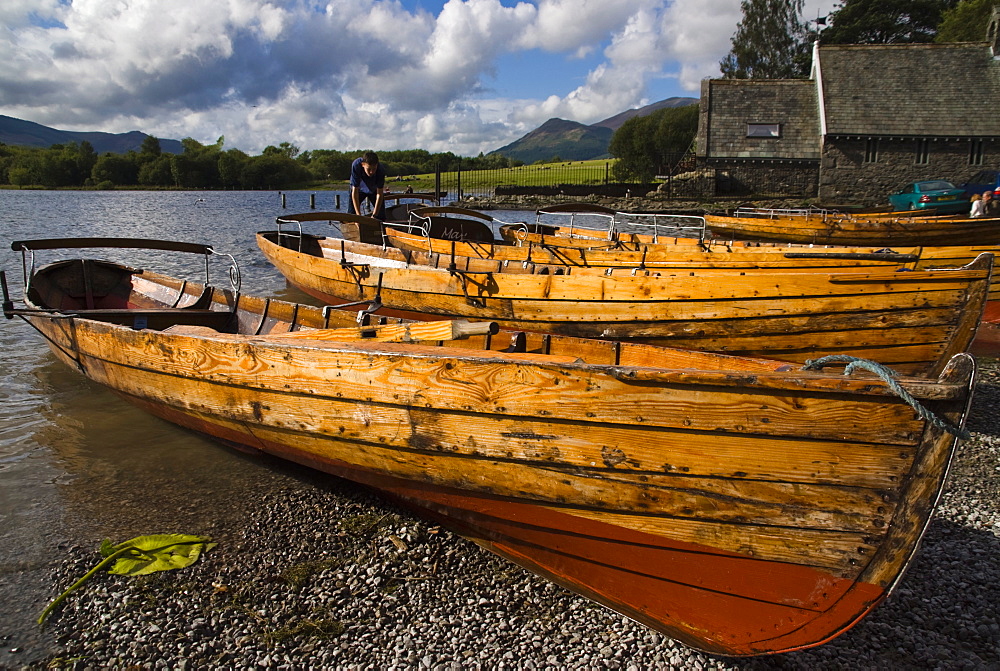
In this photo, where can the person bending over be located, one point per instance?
(367, 184)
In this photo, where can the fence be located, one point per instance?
(464, 183)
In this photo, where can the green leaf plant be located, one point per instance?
(140, 556)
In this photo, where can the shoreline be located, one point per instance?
(313, 571)
(639, 204)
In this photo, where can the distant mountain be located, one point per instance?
(615, 122)
(569, 140)
(572, 141)
(30, 134)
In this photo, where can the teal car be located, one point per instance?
(938, 195)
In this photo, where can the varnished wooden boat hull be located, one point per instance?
(838, 230)
(692, 254)
(741, 506)
(914, 321)
(672, 254)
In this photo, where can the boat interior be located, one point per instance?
(144, 300)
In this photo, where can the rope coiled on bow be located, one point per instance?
(888, 376)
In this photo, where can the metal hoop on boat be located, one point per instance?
(235, 277)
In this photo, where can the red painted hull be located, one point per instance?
(688, 591)
(987, 342)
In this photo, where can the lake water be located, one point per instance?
(77, 464)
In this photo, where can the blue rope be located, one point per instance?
(888, 376)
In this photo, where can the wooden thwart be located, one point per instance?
(456, 329)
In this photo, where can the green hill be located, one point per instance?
(572, 141)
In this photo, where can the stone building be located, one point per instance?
(870, 119)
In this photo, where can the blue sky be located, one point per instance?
(456, 75)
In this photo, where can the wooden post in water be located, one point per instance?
(338, 202)
(312, 201)
(282, 200)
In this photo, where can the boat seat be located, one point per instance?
(187, 329)
(158, 319)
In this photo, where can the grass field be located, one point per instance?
(473, 181)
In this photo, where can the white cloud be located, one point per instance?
(344, 73)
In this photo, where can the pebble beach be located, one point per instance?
(318, 573)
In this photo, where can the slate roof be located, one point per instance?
(926, 90)
(728, 105)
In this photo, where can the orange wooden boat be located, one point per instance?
(742, 506)
(911, 320)
(678, 253)
(399, 205)
(692, 254)
(856, 230)
(595, 226)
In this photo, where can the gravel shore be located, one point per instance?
(329, 575)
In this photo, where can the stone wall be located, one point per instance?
(847, 178)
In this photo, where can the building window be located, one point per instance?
(976, 152)
(923, 152)
(763, 130)
(871, 150)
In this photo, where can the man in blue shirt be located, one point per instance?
(367, 183)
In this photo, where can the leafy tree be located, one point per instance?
(150, 148)
(57, 166)
(156, 172)
(644, 145)
(115, 168)
(197, 167)
(329, 164)
(771, 42)
(86, 157)
(272, 171)
(20, 175)
(286, 149)
(885, 21)
(965, 22)
(231, 164)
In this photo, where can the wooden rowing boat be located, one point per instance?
(692, 254)
(595, 226)
(678, 253)
(912, 320)
(399, 205)
(444, 222)
(856, 230)
(742, 506)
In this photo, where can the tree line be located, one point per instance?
(643, 145)
(201, 166)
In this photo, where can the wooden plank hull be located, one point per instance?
(913, 321)
(691, 254)
(677, 253)
(843, 230)
(742, 506)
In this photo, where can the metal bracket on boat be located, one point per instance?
(344, 263)
(374, 305)
(8, 304)
(464, 275)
